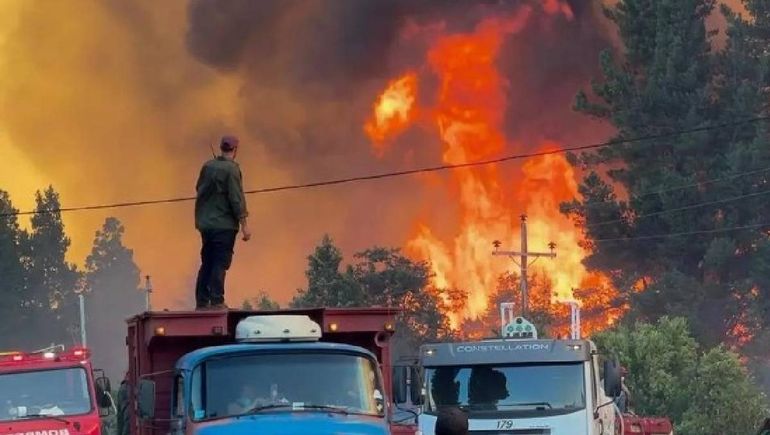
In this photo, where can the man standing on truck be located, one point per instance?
(220, 211)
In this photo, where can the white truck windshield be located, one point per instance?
(237, 385)
(57, 392)
(550, 388)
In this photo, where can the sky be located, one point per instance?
(113, 101)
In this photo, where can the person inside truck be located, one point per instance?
(249, 398)
(452, 421)
(246, 400)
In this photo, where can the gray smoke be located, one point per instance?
(313, 68)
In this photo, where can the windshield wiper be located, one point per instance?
(537, 404)
(260, 408)
(52, 417)
(330, 408)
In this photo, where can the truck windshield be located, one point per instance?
(238, 385)
(58, 392)
(512, 388)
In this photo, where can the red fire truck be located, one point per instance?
(52, 392)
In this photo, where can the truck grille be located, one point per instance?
(511, 432)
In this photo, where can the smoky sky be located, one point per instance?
(336, 41)
(312, 68)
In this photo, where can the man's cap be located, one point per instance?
(228, 143)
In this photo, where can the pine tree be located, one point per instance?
(50, 300)
(113, 296)
(261, 302)
(669, 80)
(12, 283)
(327, 285)
(380, 277)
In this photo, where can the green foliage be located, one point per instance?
(379, 277)
(724, 400)
(40, 287)
(327, 286)
(704, 393)
(669, 79)
(49, 305)
(261, 302)
(12, 271)
(113, 296)
(660, 360)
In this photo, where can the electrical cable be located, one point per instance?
(393, 174)
(684, 208)
(682, 234)
(684, 186)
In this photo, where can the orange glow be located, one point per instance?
(743, 329)
(469, 116)
(393, 111)
(740, 334)
(558, 7)
(471, 100)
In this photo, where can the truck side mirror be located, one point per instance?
(612, 385)
(103, 382)
(103, 388)
(146, 399)
(415, 385)
(399, 375)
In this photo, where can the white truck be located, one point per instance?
(518, 384)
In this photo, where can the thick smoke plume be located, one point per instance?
(119, 101)
(115, 101)
(315, 64)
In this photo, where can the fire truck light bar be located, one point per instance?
(75, 354)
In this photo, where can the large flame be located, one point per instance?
(469, 117)
(393, 111)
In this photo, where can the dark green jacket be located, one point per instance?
(220, 203)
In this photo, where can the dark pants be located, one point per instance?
(216, 256)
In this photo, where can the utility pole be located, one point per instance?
(524, 254)
(574, 319)
(147, 293)
(82, 302)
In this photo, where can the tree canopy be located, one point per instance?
(678, 221)
(261, 302)
(703, 392)
(380, 277)
(113, 296)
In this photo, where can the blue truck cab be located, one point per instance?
(278, 379)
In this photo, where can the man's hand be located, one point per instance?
(245, 230)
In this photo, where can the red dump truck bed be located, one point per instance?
(156, 340)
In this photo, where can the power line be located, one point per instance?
(394, 174)
(685, 186)
(687, 207)
(688, 233)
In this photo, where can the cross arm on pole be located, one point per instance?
(525, 254)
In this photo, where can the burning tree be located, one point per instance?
(470, 98)
(683, 215)
(679, 223)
